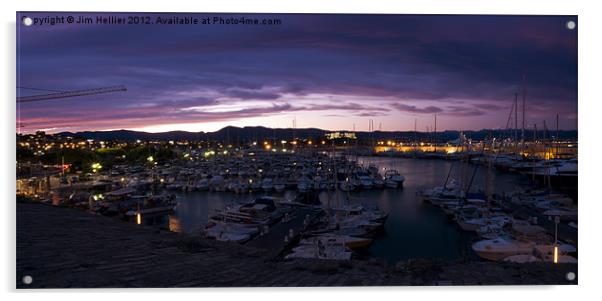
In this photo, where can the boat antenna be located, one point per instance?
(448, 175)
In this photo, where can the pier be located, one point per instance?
(274, 241)
(552, 150)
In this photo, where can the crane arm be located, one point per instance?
(67, 94)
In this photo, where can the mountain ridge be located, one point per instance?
(231, 134)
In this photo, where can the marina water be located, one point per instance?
(413, 229)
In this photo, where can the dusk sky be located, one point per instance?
(327, 71)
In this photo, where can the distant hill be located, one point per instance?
(135, 135)
(233, 134)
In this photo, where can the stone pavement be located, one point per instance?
(68, 248)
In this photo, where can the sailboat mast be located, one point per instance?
(524, 107)
(356, 138)
(534, 145)
(334, 172)
(435, 133)
(415, 131)
(371, 129)
(448, 175)
(515, 121)
(474, 173)
(557, 138)
(545, 131)
(545, 142)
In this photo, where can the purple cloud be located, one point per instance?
(414, 109)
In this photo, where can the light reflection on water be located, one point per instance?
(413, 229)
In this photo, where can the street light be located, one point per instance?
(96, 167)
(556, 222)
(138, 215)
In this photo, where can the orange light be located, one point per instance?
(138, 218)
(555, 254)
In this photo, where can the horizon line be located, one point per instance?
(280, 128)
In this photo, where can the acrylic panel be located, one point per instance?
(256, 150)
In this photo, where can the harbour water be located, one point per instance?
(413, 229)
(418, 230)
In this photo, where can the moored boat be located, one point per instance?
(500, 248)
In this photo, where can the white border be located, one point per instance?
(589, 111)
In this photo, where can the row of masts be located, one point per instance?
(517, 139)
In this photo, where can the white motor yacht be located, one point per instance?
(379, 183)
(279, 185)
(267, 184)
(347, 186)
(304, 184)
(202, 185)
(472, 224)
(390, 183)
(394, 176)
(366, 182)
(217, 183)
(501, 248)
(490, 231)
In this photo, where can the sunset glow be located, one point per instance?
(327, 71)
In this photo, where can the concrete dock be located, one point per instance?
(274, 241)
(68, 248)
